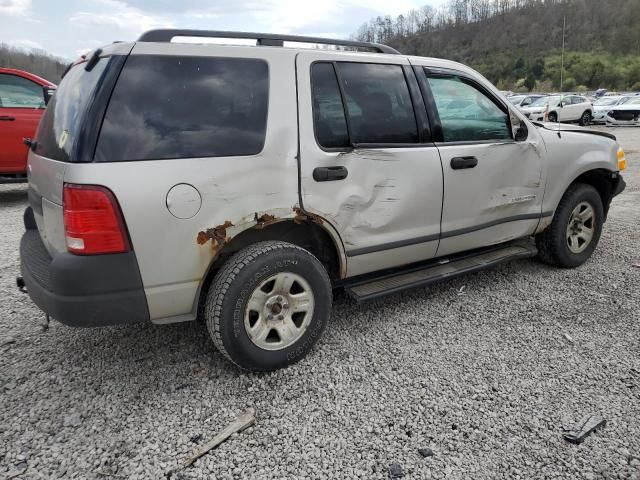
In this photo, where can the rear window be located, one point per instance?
(61, 123)
(169, 107)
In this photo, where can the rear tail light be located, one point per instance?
(93, 222)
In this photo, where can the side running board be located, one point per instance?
(443, 269)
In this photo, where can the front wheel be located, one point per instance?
(575, 230)
(552, 117)
(268, 305)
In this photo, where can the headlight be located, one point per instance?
(622, 160)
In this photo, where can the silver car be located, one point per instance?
(170, 182)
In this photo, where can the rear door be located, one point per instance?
(368, 165)
(572, 109)
(21, 105)
(492, 184)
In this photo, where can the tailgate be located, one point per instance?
(46, 179)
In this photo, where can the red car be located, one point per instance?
(23, 97)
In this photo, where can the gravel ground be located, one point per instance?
(483, 375)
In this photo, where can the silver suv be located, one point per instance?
(240, 184)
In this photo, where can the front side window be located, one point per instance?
(378, 102)
(18, 92)
(466, 113)
(170, 107)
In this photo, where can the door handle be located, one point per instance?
(458, 163)
(7, 118)
(329, 174)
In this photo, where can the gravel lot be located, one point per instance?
(483, 375)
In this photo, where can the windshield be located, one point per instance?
(64, 115)
(607, 101)
(542, 101)
(633, 101)
(516, 99)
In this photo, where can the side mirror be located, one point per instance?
(48, 93)
(522, 133)
(518, 127)
(561, 104)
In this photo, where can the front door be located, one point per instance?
(367, 164)
(492, 184)
(21, 105)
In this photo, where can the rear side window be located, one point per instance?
(466, 113)
(378, 103)
(61, 123)
(169, 107)
(18, 92)
(328, 115)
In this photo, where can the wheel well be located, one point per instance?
(600, 180)
(305, 234)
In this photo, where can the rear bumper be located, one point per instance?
(82, 291)
(12, 178)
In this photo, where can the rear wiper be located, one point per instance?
(95, 58)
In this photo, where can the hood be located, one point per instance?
(563, 127)
(625, 107)
(533, 109)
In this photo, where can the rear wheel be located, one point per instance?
(268, 305)
(575, 230)
(585, 119)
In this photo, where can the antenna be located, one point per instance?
(564, 26)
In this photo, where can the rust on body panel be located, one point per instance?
(217, 235)
(264, 220)
(302, 216)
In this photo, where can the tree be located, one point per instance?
(530, 82)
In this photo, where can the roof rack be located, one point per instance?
(264, 39)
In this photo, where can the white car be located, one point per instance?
(604, 104)
(560, 108)
(522, 101)
(627, 113)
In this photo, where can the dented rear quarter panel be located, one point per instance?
(235, 191)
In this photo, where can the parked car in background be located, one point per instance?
(625, 114)
(560, 108)
(522, 101)
(602, 105)
(23, 97)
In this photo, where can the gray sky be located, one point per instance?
(67, 28)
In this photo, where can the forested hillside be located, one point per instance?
(33, 61)
(517, 43)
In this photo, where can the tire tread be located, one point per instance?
(225, 277)
(546, 241)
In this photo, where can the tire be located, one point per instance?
(248, 276)
(585, 119)
(552, 117)
(554, 245)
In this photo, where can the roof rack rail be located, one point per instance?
(265, 39)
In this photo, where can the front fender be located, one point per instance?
(571, 154)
